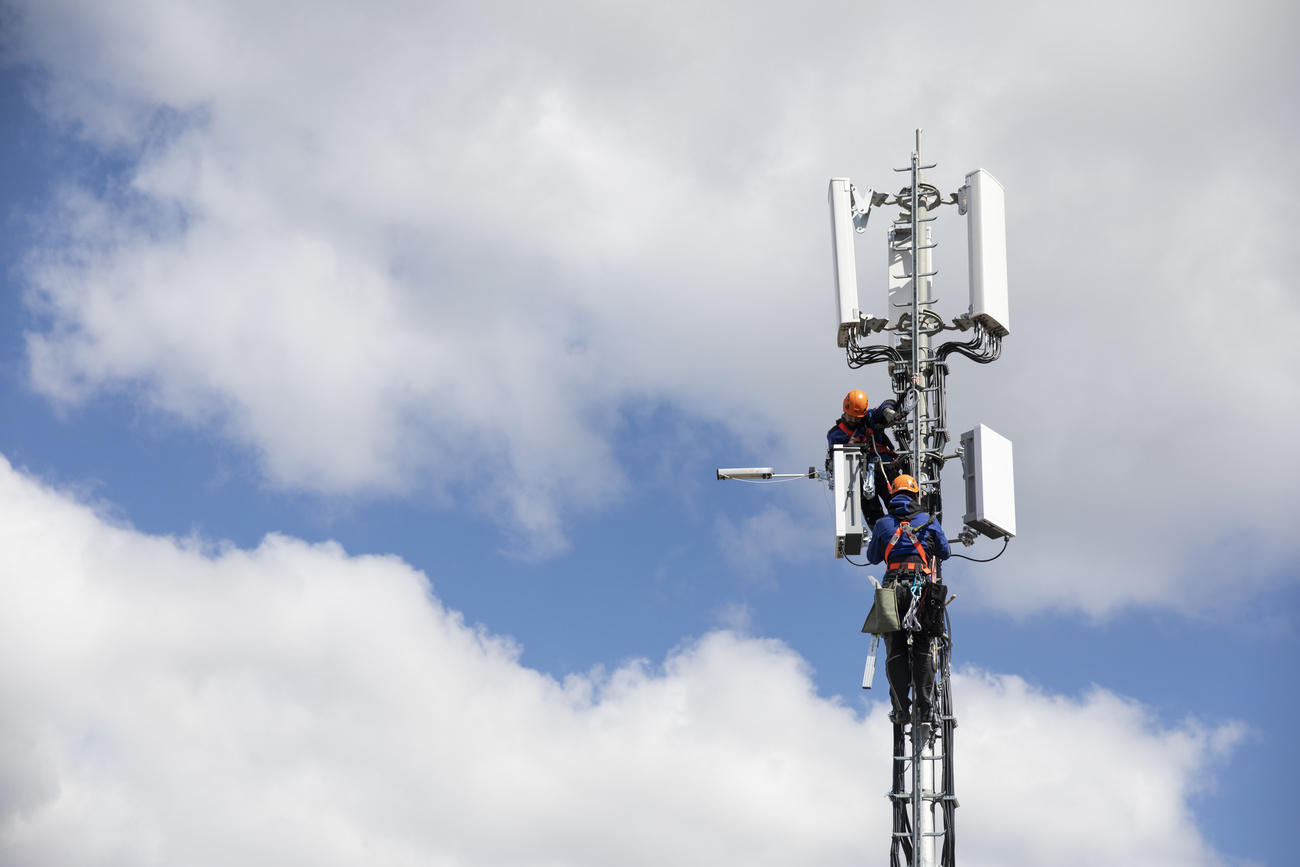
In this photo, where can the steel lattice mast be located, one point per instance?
(922, 788)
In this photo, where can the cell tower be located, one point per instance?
(922, 789)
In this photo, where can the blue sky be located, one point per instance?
(365, 377)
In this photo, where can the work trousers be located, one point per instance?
(909, 665)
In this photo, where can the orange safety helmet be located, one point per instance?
(904, 482)
(855, 403)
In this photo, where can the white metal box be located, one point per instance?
(990, 482)
(986, 233)
(847, 478)
(843, 259)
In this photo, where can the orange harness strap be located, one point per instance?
(905, 527)
(848, 431)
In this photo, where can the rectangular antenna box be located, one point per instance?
(990, 483)
(842, 257)
(986, 234)
(847, 474)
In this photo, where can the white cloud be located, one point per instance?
(174, 701)
(735, 617)
(426, 247)
(1096, 766)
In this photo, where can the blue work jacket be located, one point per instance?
(872, 426)
(931, 538)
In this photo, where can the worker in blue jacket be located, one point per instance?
(909, 541)
(859, 423)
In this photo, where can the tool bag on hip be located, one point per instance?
(883, 618)
(930, 611)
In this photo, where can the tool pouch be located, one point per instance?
(933, 596)
(883, 618)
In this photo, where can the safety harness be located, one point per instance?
(912, 536)
(868, 435)
(852, 434)
(880, 444)
(911, 620)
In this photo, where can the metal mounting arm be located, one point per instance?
(761, 474)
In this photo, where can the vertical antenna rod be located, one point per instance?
(921, 852)
(917, 270)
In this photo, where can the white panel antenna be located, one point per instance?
(990, 482)
(848, 475)
(984, 203)
(849, 215)
(843, 259)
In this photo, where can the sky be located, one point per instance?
(365, 368)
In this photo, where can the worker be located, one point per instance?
(909, 541)
(861, 424)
